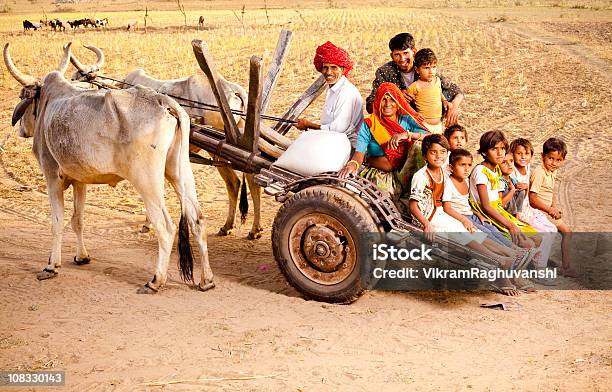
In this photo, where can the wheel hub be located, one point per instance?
(322, 248)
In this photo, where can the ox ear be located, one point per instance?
(20, 109)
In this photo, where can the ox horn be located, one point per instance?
(25, 80)
(65, 60)
(77, 64)
(99, 55)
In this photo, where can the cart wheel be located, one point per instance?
(315, 239)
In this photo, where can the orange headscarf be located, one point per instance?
(383, 128)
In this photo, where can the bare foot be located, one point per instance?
(503, 286)
(524, 285)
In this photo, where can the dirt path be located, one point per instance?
(572, 48)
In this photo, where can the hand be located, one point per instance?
(429, 232)
(554, 212)
(484, 220)
(395, 139)
(521, 186)
(302, 124)
(452, 115)
(419, 117)
(347, 170)
(409, 97)
(515, 233)
(469, 226)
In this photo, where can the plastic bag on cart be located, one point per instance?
(315, 152)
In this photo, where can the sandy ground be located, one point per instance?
(91, 323)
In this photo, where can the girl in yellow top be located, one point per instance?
(427, 90)
(486, 196)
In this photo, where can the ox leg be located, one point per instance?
(255, 189)
(55, 190)
(152, 193)
(79, 190)
(184, 184)
(232, 184)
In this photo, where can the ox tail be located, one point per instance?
(185, 254)
(184, 172)
(243, 206)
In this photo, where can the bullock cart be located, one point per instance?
(317, 231)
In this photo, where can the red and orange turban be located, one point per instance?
(330, 53)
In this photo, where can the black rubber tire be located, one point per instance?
(346, 208)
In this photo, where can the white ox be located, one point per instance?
(103, 137)
(197, 88)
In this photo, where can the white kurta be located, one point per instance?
(343, 109)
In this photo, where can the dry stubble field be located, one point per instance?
(535, 72)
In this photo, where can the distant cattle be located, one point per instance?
(102, 22)
(27, 25)
(57, 25)
(201, 22)
(74, 23)
(88, 22)
(85, 22)
(131, 25)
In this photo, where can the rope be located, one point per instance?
(203, 106)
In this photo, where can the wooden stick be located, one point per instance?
(207, 65)
(162, 383)
(301, 104)
(276, 66)
(250, 137)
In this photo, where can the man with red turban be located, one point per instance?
(343, 109)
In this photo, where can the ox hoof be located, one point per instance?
(224, 232)
(82, 261)
(147, 289)
(46, 274)
(255, 236)
(206, 286)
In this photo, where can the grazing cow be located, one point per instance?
(37, 26)
(27, 25)
(87, 22)
(103, 137)
(131, 25)
(102, 22)
(58, 25)
(197, 88)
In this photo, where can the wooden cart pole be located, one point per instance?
(200, 50)
(301, 104)
(276, 66)
(250, 138)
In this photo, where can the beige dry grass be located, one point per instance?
(520, 76)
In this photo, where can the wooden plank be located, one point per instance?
(250, 138)
(238, 157)
(205, 60)
(276, 66)
(301, 104)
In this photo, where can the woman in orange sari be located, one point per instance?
(386, 138)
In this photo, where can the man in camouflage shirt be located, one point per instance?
(400, 71)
